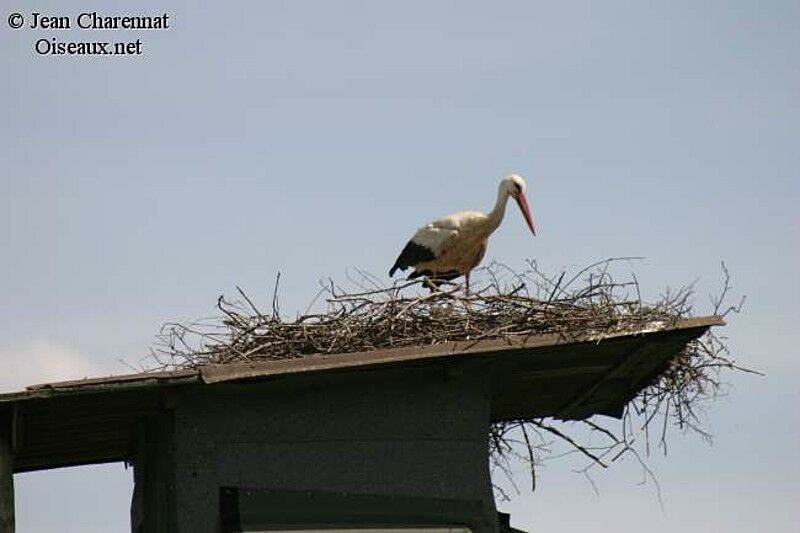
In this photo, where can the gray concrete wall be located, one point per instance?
(417, 432)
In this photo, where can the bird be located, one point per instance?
(452, 246)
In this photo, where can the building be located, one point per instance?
(384, 439)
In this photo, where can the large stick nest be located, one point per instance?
(506, 304)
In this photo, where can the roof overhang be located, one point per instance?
(94, 420)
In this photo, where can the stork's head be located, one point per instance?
(514, 186)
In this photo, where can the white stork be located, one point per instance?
(452, 246)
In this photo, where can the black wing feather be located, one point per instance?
(412, 254)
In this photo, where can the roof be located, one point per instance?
(62, 424)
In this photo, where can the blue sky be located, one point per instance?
(312, 138)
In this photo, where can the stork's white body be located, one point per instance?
(458, 242)
(453, 245)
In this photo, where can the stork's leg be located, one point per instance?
(466, 295)
(430, 284)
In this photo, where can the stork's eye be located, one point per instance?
(517, 188)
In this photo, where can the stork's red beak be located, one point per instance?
(526, 212)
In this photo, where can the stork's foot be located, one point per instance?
(431, 284)
(435, 284)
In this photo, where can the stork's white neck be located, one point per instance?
(498, 212)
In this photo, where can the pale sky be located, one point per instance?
(312, 138)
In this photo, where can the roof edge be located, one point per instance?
(316, 363)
